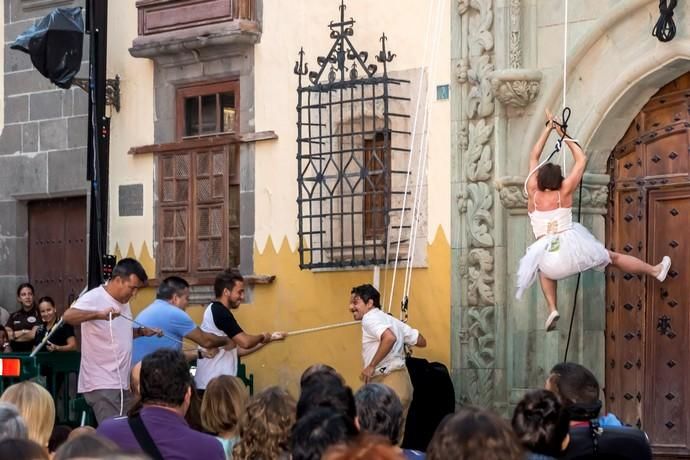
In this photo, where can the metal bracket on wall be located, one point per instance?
(112, 90)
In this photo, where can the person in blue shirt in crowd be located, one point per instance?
(168, 313)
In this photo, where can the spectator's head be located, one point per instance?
(58, 437)
(365, 447)
(224, 401)
(318, 430)
(229, 287)
(474, 434)
(11, 423)
(25, 296)
(379, 411)
(265, 425)
(85, 446)
(36, 407)
(165, 380)
(549, 177)
(541, 423)
(174, 290)
(327, 394)
(46, 307)
(81, 430)
(577, 388)
(362, 299)
(193, 415)
(127, 277)
(22, 449)
(135, 378)
(317, 373)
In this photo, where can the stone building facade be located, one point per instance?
(507, 64)
(42, 169)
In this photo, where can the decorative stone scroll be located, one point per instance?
(516, 87)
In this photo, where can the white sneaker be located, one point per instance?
(665, 266)
(551, 321)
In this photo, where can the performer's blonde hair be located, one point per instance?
(36, 407)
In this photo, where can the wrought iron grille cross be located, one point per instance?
(347, 121)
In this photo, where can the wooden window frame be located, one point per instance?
(230, 150)
(373, 200)
(205, 89)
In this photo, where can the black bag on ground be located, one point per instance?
(55, 45)
(432, 400)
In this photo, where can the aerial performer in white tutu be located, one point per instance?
(563, 247)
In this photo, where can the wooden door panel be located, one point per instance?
(667, 407)
(57, 248)
(625, 340)
(667, 155)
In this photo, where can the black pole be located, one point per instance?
(98, 139)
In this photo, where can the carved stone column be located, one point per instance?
(476, 368)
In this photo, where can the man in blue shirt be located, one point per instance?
(168, 313)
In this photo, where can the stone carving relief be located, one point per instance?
(476, 201)
(480, 272)
(594, 194)
(515, 45)
(516, 87)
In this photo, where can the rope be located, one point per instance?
(665, 28)
(117, 365)
(321, 328)
(409, 168)
(439, 8)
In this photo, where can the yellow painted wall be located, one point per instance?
(131, 127)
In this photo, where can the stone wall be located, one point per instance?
(42, 145)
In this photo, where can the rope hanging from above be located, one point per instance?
(665, 27)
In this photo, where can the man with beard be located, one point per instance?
(219, 320)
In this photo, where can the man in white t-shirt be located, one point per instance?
(219, 320)
(106, 339)
(383, 344)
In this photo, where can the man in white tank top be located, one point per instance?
(219, 320)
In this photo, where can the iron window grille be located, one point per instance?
(352, 128)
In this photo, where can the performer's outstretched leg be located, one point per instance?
(632, 264)
(549, 286)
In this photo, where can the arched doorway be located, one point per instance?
(647, 322)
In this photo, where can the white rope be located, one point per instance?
(321, 328)
(413, 135)
(559, 144)
(117, 365)
(422, 161)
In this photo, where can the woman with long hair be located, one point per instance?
(62, 339)
(563, 247)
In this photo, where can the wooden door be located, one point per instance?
(648, 322)
(57, 248)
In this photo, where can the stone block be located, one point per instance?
(30, 137)
(68, 101)
(247, 213)
(13, 255)
(27, 9)
(12, 29)
(23, 175)
(16, 60)
(77, 131)
(45, 105)
(52, 134)
(8, 290)
(247, 169)
(247, 254)
(80, 104)
(16, 109)
(13, 218)
(11, 140)
(26, 81)
(67, 171)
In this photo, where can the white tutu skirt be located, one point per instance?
(561, 255)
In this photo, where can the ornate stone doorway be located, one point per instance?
(647, 322)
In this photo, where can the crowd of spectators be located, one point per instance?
(326, 421)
